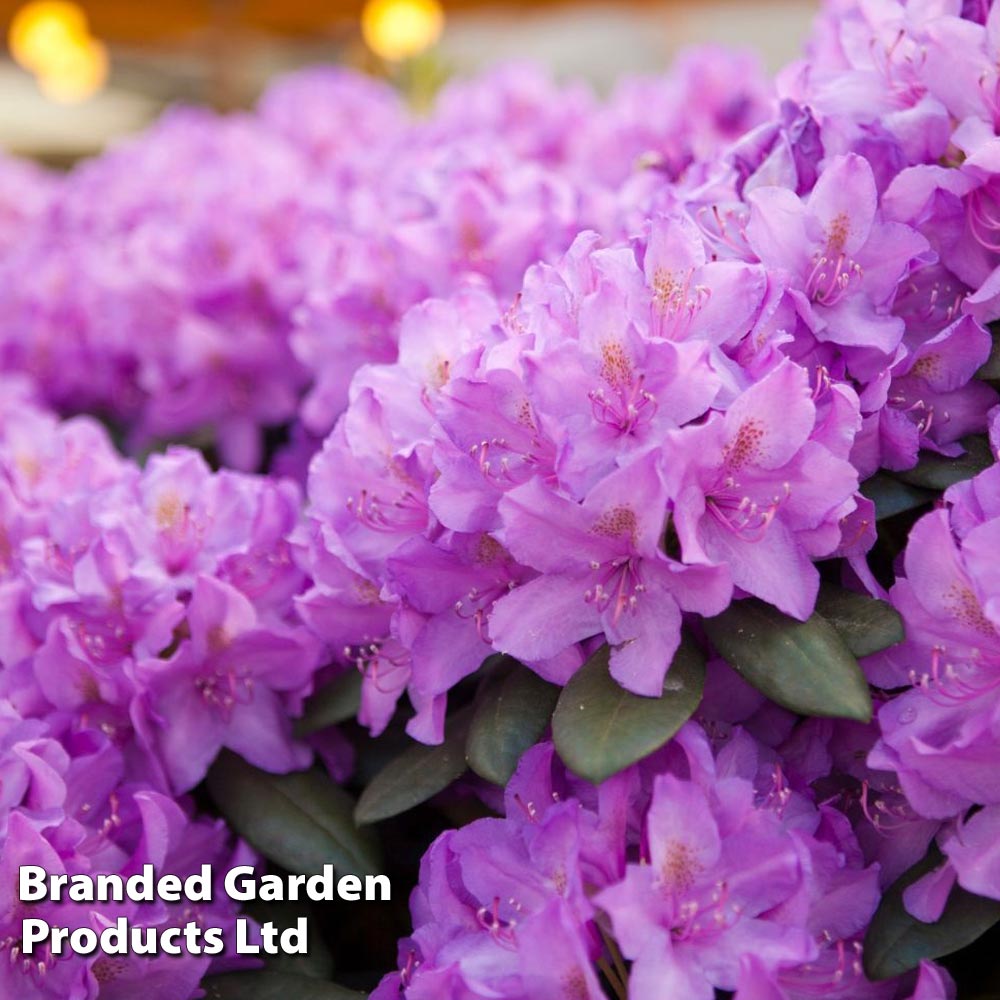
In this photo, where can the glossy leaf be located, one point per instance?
(891, 497)
(938, 472)
(599, 728)
(865, 624)
(511, 714)
(337, 702)
(416, 775)
(804, 666)
(317, 962)
(302, 820)
(274, 986)
(896, 941)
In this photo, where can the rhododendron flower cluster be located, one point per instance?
(638, 452)
(704, 867)
(71, 807)
(25, 191)
(539, 469)
(146, 623)
(261, 255)
(647, 389)
(938, 734)
(204, 262)
(154, 604)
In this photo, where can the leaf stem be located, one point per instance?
(619, 976)
(616, 984)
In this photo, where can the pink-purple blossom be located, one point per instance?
(532, 372)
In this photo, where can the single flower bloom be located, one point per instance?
(715, 867)
(603, 570)
(758, 490)
(846, 263)
(226, 686)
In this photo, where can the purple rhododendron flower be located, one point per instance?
(552, 371)
(750, 497)
(703, 866)
(606, 443)
(148, 621)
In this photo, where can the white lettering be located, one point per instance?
(31, 883)
(244, 946)
(237, 888)
(33, 932)
(349, 887)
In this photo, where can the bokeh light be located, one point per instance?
(78, 72)
(401, 29)
(43, 27)
(52, 40)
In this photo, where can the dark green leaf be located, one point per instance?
(865, 624)
(274, 986)
(599, 728)
(416, 775)
(335, 703)
(937, 472)
(372, 755)
(991, 367)
(896, 942)
(317, 962)
(302, 820)
(511, 714)
(804, 666)
(891, 497)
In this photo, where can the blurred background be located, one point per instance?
(75, 76)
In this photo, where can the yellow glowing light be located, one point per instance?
(45, 27)
(77, 74)
(400, 29)
(51, 38)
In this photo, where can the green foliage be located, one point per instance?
(599, 728)
(512, 713)
(302, 820)
(897, 942)
(866, 625)
(938, 472)
(805, 666)
(891, 497)
(274, 986)
(416, 775)
(337, 702)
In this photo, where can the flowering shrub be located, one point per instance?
(147, 623)
(261, 255)
(712, 870)
(26, 194)
(623, 468)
